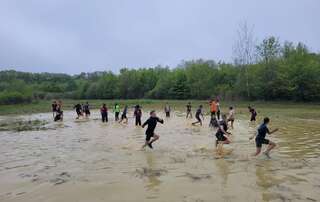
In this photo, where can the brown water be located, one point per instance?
(87, 160)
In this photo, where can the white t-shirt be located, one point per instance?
(231, 114)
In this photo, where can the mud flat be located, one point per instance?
(86, 160)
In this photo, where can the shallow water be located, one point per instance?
(87, 160)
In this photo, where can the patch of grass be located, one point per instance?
(288, 109)
(19, 125)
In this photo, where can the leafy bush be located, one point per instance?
(14, 98)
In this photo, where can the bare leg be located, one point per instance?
(189, 114)
(219, 147)
(194, 123)
(257, 152)
(155, 138)
(145, 144)
(271, 145)
(120, 120)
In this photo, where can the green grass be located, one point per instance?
(288, 109)
(21, 125)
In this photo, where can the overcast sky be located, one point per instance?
(73, 36)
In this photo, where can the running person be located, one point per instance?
(222, 134)
(253, 113)
(189, 110)
(137, 113)
(152, 123)
(104, 113)
(124, 115)
(78, 108)
(231, 116)
(263, 130)
(167, 110)
(54, 106)
(116, 111)
(198, 113)
(59, 112)
(213, 110)
(86, 109)
(218, 108)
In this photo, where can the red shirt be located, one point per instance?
(103, 109)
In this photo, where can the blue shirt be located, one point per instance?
(262, 131)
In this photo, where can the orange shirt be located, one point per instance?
(213, 106)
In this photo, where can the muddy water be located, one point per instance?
(87, 160)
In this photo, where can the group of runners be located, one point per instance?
(218, 121)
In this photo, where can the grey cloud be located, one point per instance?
(74, 36)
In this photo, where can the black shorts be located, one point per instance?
(231, 119)
(87, 111)
(123, 116)
(253, 118)
(149, 135)
(221, 137)
(214, 122)
(198, 118)
(57, 117)
(79, 112)
(213, 113)
(259, 142)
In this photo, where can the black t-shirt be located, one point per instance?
(253, 112)
(78, 107)
(188, 107)
(262, 131)
(224, 126)
(58, 109)
(86, 107)
(198, 112)
(54, 107)
(125, 111)
(152, 123)
(137, 112)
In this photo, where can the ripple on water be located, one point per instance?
(182, 164)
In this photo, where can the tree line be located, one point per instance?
(279, 71)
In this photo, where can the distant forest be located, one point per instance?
(271, 71)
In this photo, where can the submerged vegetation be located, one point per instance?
(22, 125)
(279, 72)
